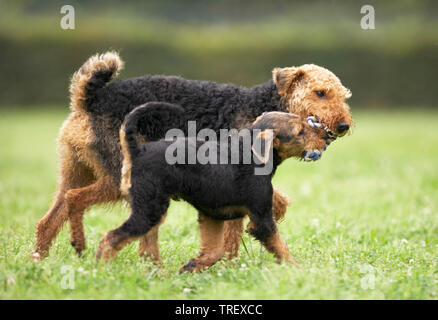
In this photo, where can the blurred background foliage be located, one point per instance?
(238, 41)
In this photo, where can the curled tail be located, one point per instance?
(151, 120)
(94, 74)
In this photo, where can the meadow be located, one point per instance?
(363, 223)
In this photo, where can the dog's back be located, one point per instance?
(99, 107)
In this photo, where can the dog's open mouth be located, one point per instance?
(316, 123)
(311, 155)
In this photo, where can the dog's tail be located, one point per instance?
(94, 74)
(151, 120)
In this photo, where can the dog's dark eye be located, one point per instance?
(320, 94)
(301, 132)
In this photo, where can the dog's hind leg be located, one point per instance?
(73, 175)
(78, 200)
(148, 207)
(233, 230)
(149, 243)
(49, 226)
(280, 202)
(212, 245)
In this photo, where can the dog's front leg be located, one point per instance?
(264, 229)
(234, 228)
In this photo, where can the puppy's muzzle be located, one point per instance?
(311, 155)
(330, 136)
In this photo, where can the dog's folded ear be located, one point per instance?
(295, 130)
(285, 78)
(262, 144)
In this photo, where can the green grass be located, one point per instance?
(363, 225)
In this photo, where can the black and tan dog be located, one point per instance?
(89, 147)
(218, 191)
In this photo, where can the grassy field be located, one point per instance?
(363, 225)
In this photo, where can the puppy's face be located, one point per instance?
(310, 90)
(291, 136)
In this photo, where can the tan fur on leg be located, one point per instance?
(49, 226)
(232, 236)
(280, 202)
(149, 243)
(73, 175)
(278, 247)
(212, 246)
(79, 199)
(111, 244)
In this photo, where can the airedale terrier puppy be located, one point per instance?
(89, 146)
(218, 190)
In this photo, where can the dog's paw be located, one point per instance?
(190, 266)
(36, 256)
(105, 251)
(79, 248)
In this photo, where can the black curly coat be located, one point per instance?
(211, 105)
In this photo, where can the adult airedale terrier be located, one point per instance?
(272, 138)
(89, 146)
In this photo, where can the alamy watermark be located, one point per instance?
(68, 277)
(235, 147)
(68, 18)
(368, 20)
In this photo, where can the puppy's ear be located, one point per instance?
(262, 144)
(284, 78)
(297, 129)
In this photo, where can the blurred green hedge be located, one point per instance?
(393, 65)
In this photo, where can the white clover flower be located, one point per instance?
(11, 280)
(82, 270)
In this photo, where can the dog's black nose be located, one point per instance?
(342, 126)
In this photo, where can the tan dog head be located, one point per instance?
(310, 90)
(289, 135)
